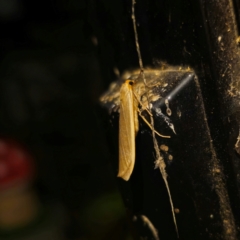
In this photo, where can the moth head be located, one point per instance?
(130, 82)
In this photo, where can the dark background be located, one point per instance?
(51, 80)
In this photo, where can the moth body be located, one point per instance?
(128, 128)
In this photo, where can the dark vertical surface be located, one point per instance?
(50, 81)
(204, 36)
(222, 30)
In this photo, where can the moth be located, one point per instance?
(128, 127)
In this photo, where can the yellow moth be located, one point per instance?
(128, 128)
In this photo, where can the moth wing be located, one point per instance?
(135, 108)
(127, 132)
(136, 100)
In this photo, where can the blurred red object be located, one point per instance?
(16, 164)
(19, 204)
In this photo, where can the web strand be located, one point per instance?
(136, 36)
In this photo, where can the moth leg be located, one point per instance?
(141, 104)
(145, 120)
